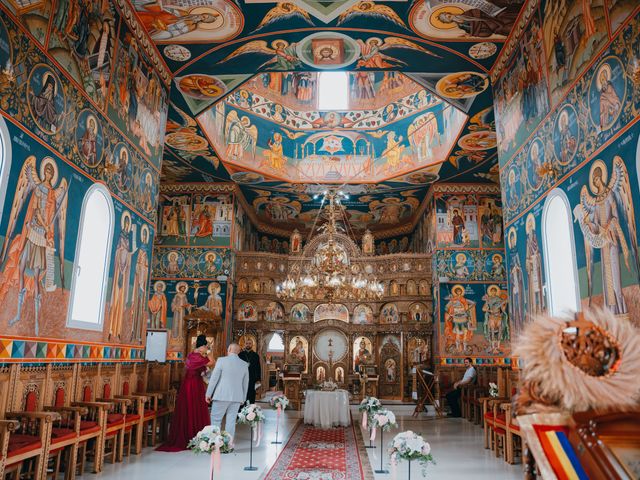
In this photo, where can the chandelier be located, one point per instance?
(327, 273)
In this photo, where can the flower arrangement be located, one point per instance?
(328, 386)
(384, 419)
(279, 402)
(493, 389)
(410, 446)
(369, 405)
(250, 414)
(210, 438)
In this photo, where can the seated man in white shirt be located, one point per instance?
(453, 397)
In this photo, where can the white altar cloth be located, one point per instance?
(327, 409)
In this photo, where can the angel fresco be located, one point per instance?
(240, 136)
(284, 11)
(371, 55)
(364, 10)
(283, 54)
(604, 208)
(28, 254)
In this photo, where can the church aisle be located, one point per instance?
(455, 443)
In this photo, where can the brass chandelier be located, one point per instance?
(327, 273)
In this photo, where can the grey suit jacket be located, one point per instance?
(229, 380)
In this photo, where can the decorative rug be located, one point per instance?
(316, 454)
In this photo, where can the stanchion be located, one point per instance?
(276, 442)
(371, 445)
(251, 468)
(381, 452)
(409, 477)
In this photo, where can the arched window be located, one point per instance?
(276, 344)
(5, 162)
(563, 293)
(93, 257)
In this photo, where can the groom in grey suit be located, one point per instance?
(228, 388)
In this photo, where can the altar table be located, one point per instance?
(327, 409)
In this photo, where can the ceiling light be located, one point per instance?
(333, 91)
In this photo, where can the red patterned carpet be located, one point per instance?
(315, 454)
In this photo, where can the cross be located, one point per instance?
(331, 342)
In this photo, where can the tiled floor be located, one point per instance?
(456, 446)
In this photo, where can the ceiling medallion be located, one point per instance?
(324, 270)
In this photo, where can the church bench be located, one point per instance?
(514, 439)
(6, 428)
(29, 444)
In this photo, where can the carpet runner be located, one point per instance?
(316, 454)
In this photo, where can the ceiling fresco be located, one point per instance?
(243, 100)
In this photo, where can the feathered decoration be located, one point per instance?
(370, 9)
(284, 11)
(561, 382)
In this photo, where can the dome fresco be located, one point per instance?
(244, 100)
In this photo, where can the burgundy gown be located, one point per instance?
(191, 413)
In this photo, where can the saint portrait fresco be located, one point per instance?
(456, 216)
(418, 313)
(460, 321)
(566, 135)
(121, 167)
(440, 20)
(274, 312)
(247, 312)
(185, 21)
(607, 93)
(46, 99)
(362, 353)
(89, 139)
(496, 319)
(517, 291)
(533, 267)
(363, 315)
(300, 313)
(158, 306)
(389, 313)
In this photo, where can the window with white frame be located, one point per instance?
(563, 292)
(93, 257)
(5, 162)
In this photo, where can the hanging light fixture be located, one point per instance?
(326, 273)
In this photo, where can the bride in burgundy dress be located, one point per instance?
(191, 413)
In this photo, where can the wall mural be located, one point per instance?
(61, 143)
(521, 98)
(42, 99)
(591, 140)
(466, 21)
(195, 219)
(354, 146)
(137, 100)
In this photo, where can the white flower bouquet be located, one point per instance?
(410, 446)
(493, 389)
(250, 414)
(384, 419)
(210, 438)
(369, 405)
(279, 402)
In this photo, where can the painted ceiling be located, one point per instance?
(243, 100)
